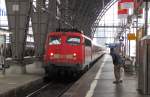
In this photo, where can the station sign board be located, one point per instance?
(3, 14)
(131, 36)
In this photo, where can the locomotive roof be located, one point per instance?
(68, 30)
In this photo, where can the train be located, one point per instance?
(69, 50)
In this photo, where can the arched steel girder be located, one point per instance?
(100, 15)
(89, 12)
(83, 14)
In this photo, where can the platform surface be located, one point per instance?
(14, 81)
(98, 82)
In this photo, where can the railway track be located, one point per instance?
(54, 88)
(57, 87)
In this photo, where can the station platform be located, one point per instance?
(16, 84)
(98, 82)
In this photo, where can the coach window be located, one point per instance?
(54, 41)
(87, 42)
(73, 40)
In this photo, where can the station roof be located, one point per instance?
(85, 12)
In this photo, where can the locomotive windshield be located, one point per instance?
(54, 41)
(73, 40)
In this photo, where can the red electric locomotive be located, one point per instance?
(68, 50)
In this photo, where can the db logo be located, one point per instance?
(3, 12)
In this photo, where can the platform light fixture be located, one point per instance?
(74, 54)
(51, 54)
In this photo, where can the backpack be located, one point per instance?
(114, 58)
(120, 60)
(117, 60)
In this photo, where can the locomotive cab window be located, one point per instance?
(73, 40)
(54, 40)
(87, 42)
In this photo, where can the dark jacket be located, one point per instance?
(117, 60)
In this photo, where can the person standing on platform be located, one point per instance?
(117, 61)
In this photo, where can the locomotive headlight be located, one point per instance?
(51, 54)
(74, 54)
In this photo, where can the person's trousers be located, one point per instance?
(117, 72)
(121, 73)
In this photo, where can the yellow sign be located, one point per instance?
(131, 36)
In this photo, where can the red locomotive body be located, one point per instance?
(68, 51)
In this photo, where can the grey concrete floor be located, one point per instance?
(103, 86)
(14, 79)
